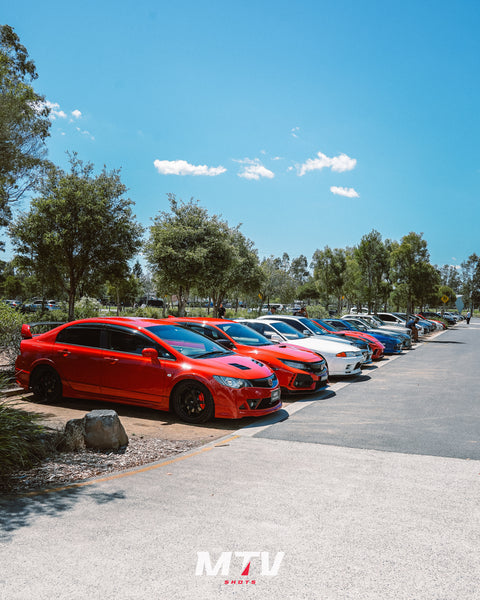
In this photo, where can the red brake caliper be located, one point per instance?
(201, 400)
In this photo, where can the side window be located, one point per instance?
(131, 342)
(296, 325)
(207, 331)
(260, 328)
(80, 335)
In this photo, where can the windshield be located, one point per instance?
(326, 325)
(359, 326)
(309, 324)
(187, 342)
(243, 334)
(287, 331)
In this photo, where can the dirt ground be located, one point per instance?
(137, 421)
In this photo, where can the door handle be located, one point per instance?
(64, 352)
(111, 359)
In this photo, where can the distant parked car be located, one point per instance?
(433, 315)
(393, 344)
(337, 354)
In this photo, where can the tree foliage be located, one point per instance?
(79, 232)
(189, 249)
(329, 273)
(373, 261)
(410, 260)
(24, 123)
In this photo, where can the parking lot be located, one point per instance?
(370, 491)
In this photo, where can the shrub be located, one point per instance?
(87, 308)
(23, 440)
(10, 328)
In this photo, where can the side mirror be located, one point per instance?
(150, 353)
(307, 332)
(274, 337)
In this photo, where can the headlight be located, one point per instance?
(347, 354)
(295, 364)
(232, 382)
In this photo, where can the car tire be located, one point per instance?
(193, 403)
(46, 386)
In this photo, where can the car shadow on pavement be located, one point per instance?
(442, 342)
(21, 511)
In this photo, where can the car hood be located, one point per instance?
(282, 351)
(232, 365)
(324, 345)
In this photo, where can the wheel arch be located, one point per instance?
(186, 379)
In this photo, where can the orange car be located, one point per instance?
(297, 370)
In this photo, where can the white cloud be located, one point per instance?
(338, 164)
(253, 169)
(55, 112)
(87, 133)
(341, 191)
(182, 167)
(294, 130)
(76, 114)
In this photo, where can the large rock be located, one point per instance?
(98, 429)
(103, 430)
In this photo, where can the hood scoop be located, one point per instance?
(242, 367)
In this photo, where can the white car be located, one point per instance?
(396, 320)
(376, 323)
(342, 357)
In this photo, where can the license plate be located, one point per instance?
(276, 395)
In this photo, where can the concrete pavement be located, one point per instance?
(313, 519)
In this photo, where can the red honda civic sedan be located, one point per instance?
(145, 362)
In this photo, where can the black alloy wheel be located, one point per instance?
(193, 403)
(46, 386)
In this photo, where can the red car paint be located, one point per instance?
(140, 362)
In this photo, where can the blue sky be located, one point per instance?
(309, 122)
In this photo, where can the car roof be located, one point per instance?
(130, 321)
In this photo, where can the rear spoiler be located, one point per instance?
(40, 327)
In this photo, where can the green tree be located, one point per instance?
(329, 273)
(245, 276)
(471, 281)
(409, 261)
(79, 232)
(444, 291)
(186, 248)
(277, 283)
(373, 261)
(450, 277)
(24, 123)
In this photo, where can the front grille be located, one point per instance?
(303, 381)
(265, 382)
(267, 403)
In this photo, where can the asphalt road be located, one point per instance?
(426, 402)
(371, 493)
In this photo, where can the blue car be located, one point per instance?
(393, 344)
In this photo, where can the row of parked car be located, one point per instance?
(201, 368)
(32, 305)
